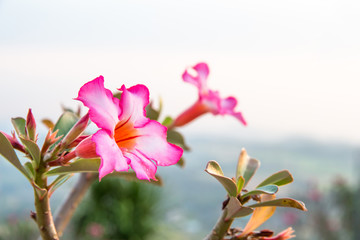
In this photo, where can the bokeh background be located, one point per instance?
(293, 65)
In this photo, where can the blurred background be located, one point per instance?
(293, 65)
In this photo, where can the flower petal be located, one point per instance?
(133, 102)
(227, 107)
(143, 167)
(152, 143)
(103, 107)
(111, 155)
(202, 71)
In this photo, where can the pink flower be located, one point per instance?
(286, 234)
(126, 137)
(209, 100)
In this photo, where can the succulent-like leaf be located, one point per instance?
(214, 169)
(19, 126)
(33, 149)
(131, 176)
(178, 139)
(66, 121)
(240, 184)
(60, 180)
(80, 165)
(30, 169)
(181, 162)
(260, 215)
(282, 202)
(280, 178)
(246, 166)
(235, 209)
(167, 121)
(268, 189)
(7, 151)
(152, 113)
(48, 123)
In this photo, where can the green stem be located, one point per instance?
(221, 228)
(44, 217)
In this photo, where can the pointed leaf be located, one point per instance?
(260, 215)
(152, 113)
(280, 178)
(33, 149)
(240, 184)
(61, 179)
(131, 176)
(214, 169)
(282, 202)
(66, 121)
(246, 166)
(268, 189)
(19, 125)
(178, 139)
(7, 151)
(80, 165)
(235, 209)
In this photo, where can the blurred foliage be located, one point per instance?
(118, 209)
(14, 229)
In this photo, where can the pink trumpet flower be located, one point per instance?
(209, 100)
(126, 137)
(286, 234)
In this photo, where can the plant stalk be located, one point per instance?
(221, 228)
(68, 208)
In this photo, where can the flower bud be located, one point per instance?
(31, 126)
(86, 149)
(14, 142)
(76, 130)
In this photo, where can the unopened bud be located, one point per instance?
(31, 126)
(76, 130)
(14, 142)
(86, 149)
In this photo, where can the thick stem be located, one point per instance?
(44, 217)
(68, 208)
(220, 228)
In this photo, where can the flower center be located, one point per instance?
(125, 135)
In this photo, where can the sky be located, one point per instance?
(293, 65)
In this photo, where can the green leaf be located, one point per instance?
(282, 202)
(131, 176)
(30, 169)
(167, 121)
(176, 138)
(80, 165)
(33, 149)
(280, 178)
(7, 151)
(246, 166)
(66, 121)
(19, 125)
(152, 113)
(214, 169)
(235, 209)
(181, 162)
(240, 184)
(61, 179)
(268, 189)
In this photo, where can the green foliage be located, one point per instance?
(14, 229)
(118, 210)
(66, 121)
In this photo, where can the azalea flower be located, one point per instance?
(126, 137)
(209, 100)
(286, 234)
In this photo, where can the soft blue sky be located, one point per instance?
(293, 65)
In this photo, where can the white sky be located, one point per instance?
(293, 65)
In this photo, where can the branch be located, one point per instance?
(68, 208)
(221, 228)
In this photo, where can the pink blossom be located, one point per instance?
(209, 100)
(286, 234)
(126, 137)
